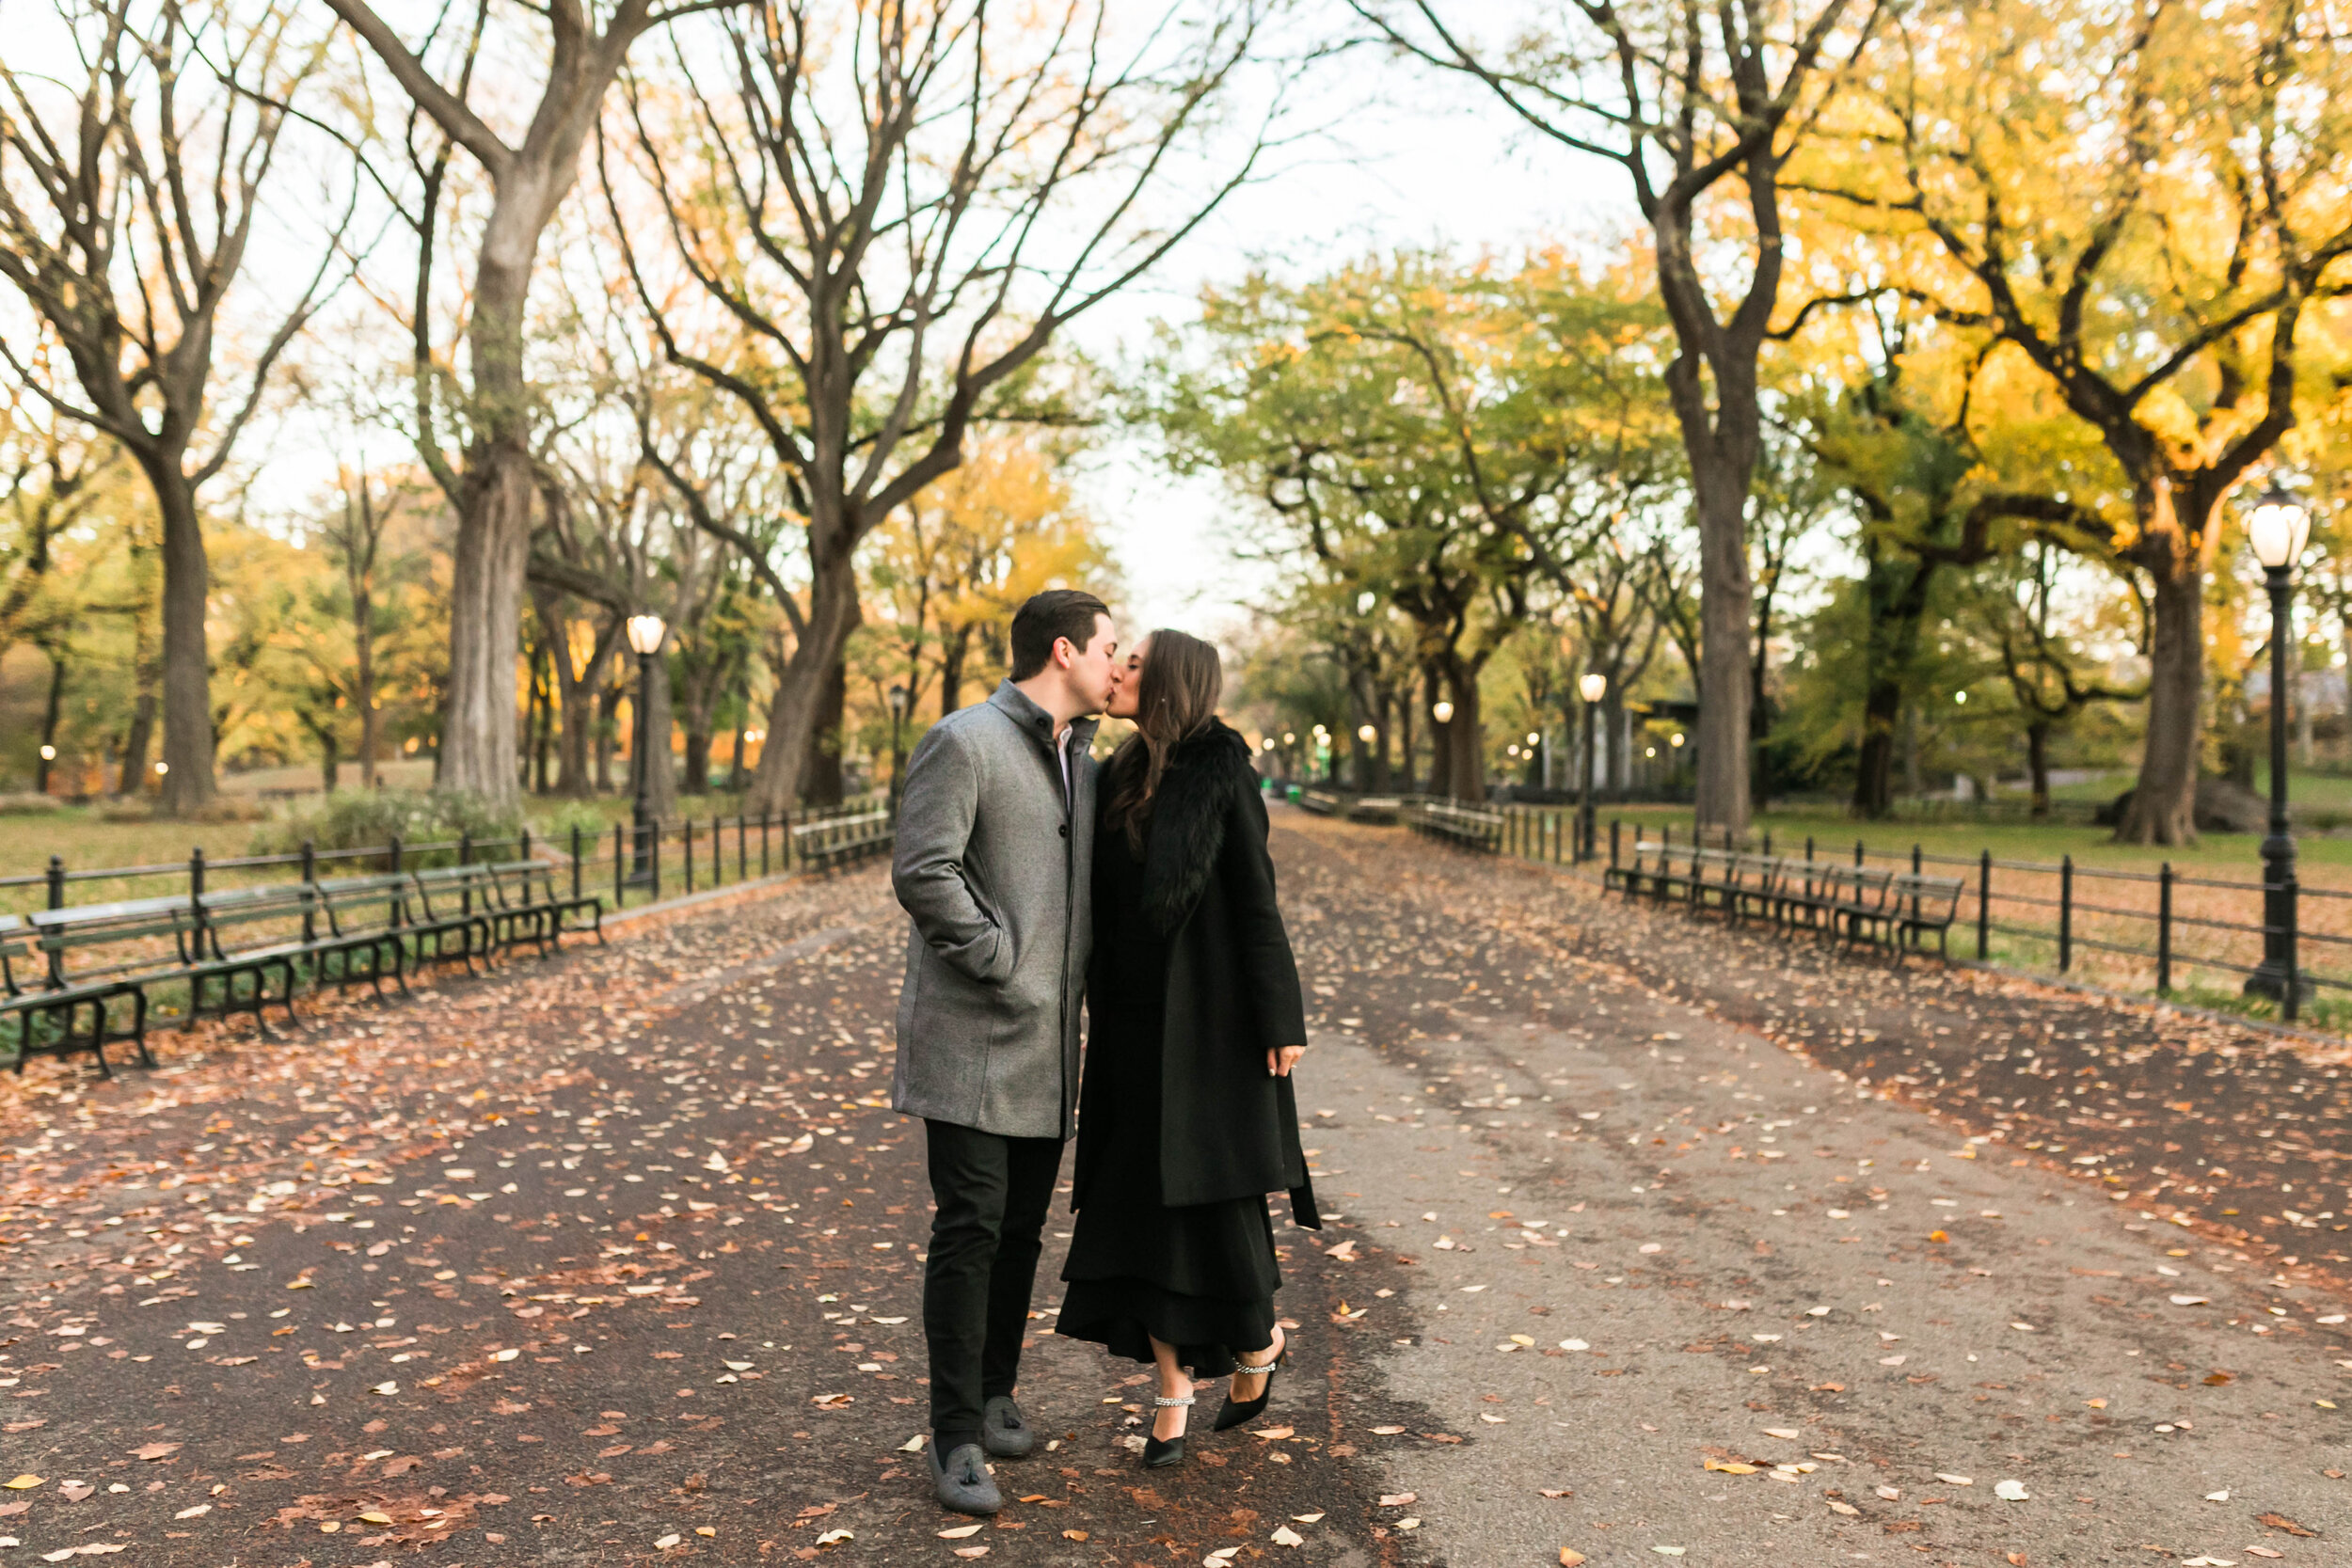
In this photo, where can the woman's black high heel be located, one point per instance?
(1157, 1455)
(1234, 1414)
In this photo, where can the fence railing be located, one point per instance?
(683, 855)
(2164, 931)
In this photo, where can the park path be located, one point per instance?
(625, 1248)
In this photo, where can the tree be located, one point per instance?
(124, 227)
(1702, 107)
(493, 483)
(2143, 202)
(895, 209)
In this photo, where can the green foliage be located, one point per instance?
(366, 819)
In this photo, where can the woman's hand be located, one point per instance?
(1279, 1059)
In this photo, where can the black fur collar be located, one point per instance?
(1198, 787)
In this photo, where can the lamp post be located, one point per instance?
(1442, 746)
(900, 700)
(1592, 687)
(2278, 531)
(646, 633)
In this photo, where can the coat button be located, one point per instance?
(1065, 829)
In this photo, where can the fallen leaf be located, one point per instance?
(74, 1491)
(833, 1536)
(1790, 1433)
(2279, 1521)
(1306, 1518)
(1847, 1510)
(2220, 1496)
(373, 1518)
(913, 1443)
(1398, 1499)
(2191, 1301)
(960, 1532)
(1285, 1536)
(665, 1542)
(1271, 1434)
(24, 1483)
(155, 1450)
(1730, 1467)
(194, 1513)
(2215, 1380)
(1951, 1480)
(1572, 1557)
(971, 1551)
(1667, 1551)
(2011, 1491)
(1074, 1535)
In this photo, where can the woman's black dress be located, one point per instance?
(1201, 1277)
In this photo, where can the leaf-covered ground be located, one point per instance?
(617, 1256)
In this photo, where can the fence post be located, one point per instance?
(620, 869)
(783, 830)
(1984, 905)
(1615, 824)
(522, 850)
(57, 881)
(1858, 851)
(763, 841)
(653, 862)
(742, 851)
(1768, 844)
(1809, 846)
(196, 874)
(395, 854)
(464, 848)
(575, 860)
(1914, 859)
(2291, 1003)
(686, 855)
(2066, 913)
(718, 852)
(2163, 929)
(309, 879)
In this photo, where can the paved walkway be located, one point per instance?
(617, 1256)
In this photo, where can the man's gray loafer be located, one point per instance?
(962, 1482)
(1004, 1432)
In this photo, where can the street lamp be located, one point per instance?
(646, 633)
(900, 700)
(2278, 531)
(1592, 688)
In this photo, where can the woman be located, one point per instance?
(1186, 1115)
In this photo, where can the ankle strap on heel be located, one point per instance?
(1186, 1400)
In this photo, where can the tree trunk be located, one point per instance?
(133, 779)
(2037, 766)
(805, 683)
(820, 771)
(735, 762)
(953, 645)
(1465, 736)
(49, 710)
(2164, 800)
(330, 760)
(187, 704)
(607, 721)
(1725, 608)
(1440, 739)
(1405, 714)
(697, 779)
(1910, 751)
(363, 676)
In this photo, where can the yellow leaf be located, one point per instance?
(373, 1518)
(1570, 1557)
(24, 1483)
(1937, 1236)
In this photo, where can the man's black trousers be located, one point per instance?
(992, 1193)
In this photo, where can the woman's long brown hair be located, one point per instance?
(1176, 699)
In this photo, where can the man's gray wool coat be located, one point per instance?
(994, 864)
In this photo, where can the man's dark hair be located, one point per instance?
(1045, 619)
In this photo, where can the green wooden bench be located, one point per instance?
(88, 970)
(836, 840)
(525, 886)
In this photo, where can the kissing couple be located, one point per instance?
(1035, 882)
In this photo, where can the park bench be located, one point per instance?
(838, 841)
(1714, 880)
(1472, 830)
(88, 970)
(528, 886)
(443, 920)
(1755, 884)
(1916, 905)
(247, 936)
(1320, 802)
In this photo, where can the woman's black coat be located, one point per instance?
(1228, 1130)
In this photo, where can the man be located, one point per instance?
(995, 852)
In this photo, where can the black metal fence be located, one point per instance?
(687, 855)
(2165, 929)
